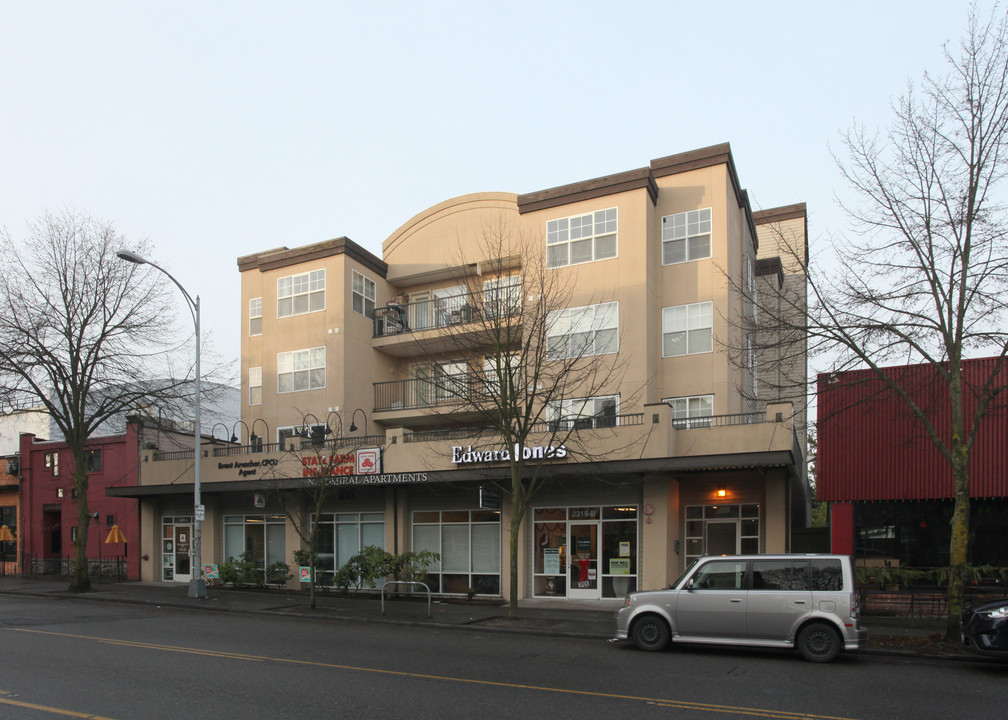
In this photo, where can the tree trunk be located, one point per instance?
(81, 577)
(958, 546)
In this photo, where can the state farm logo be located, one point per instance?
(369, 461)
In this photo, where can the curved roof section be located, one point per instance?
(448, 222)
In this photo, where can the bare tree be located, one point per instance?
(923, 279)
(77, 331)
(534, 369)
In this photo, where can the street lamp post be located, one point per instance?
(197, 585)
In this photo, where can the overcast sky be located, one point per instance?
(218, 129)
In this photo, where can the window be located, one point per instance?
(363, 300)
(693, 411)
(688, 329)
(686, 236)
(720, 575)
(262, 536)
(581, 238)
(342, 535)
(92, 460)
(495, 368)
(301, 370)
(8, 517)
(255, 385)
(299, 294)
(255, 316)
(296, 437)
(581, 331)
(52, 463)
(502, 297)
(722, 529)
(578, 413)
(469, 542)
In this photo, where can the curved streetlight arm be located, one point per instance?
(197, 585)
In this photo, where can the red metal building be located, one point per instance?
(889, 487)
(48, 507)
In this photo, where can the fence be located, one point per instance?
(105, 570)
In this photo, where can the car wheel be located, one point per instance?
(818, 642)
(651, 633)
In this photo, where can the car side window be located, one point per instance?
(827, 575)
(780, 575)
(720, 575)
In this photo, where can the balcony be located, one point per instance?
(440, 324)
(408, 402)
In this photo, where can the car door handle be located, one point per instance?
(799, 602)
(736, 600)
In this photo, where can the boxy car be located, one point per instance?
(806, 602)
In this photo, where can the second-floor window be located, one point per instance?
(581, 238)
(688, 329)
(255, 385)
(581, 331)
(299, 294)
(92, 460)
(255, 316)
(301, 370)
(692, 410)
(52, 463)
(363, 300)
(580, 413)
(686, 236)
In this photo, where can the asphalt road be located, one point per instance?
(62, 658)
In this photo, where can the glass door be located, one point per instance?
(584, 560)
(176, 559)
(722, 537)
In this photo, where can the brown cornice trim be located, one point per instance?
(640, 178)
(780, 214)
(285, 257)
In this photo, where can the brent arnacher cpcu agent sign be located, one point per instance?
(466, 455)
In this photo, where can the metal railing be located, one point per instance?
(574, 425)
(424, 392)
(440, 312)
(710, 421)
(110, 569)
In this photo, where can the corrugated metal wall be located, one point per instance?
(871, 447)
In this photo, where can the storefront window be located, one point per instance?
(261, 535)
(340, 536)
(585, 551)
(469, 543)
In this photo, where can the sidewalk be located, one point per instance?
(546, 616)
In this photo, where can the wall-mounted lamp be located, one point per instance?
(721, 492)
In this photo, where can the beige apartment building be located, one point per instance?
(664, 425)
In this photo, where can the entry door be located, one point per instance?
(584, 554)
(722, 537)
(176, 553)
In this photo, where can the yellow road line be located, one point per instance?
(48, 709)
(661, 702)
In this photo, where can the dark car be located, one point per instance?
(984, 628)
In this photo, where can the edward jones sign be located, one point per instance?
(466, 455)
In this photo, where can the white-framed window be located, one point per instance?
(494, 368)
(502, 296)
(363, 295)
(581, 238)
(255, 316)
(469, 543)
(294, 437)
(52, 462)
(263, 536)
(686, 236)
(255, 385)
(299, 294)
(301, 370)
(691, 411)
(581, 331)
(688, 329)
(578, 413)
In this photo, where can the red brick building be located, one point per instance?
(890, 489)
(49, 511)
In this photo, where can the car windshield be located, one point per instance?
(683, 574)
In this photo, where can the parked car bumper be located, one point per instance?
(984, 628)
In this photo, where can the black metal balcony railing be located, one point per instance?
(710, 421)
(396, 318)
(425, 392)
(571, 424)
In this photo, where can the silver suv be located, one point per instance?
(806, 602)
